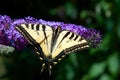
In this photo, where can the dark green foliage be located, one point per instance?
(102, 63)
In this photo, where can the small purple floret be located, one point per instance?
(10, 36)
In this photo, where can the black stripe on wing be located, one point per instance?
(55, 35)
(64, 37)
(44, 28)
(26, 34)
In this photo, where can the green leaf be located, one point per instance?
(106, 42)
(113, 63)
(83, 14)
(96, 69)
(118, 30)
(105, 77)
(71, 10)
(105, 5)
(73, 60)
(70, 72)
(109, 24)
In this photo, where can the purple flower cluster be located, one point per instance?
(4, 25)
(10, 36)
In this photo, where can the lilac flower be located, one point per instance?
(8, 35)
(12, 37)
(51, 23)
(5, 22)
(93, 37)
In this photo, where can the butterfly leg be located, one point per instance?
(43, 66)
(50, 68)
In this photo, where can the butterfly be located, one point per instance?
(51, 44)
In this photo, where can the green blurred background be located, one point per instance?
(102, 63)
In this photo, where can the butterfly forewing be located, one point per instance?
(39, 33)
(46, 43)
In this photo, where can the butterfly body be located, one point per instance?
(51, 44)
